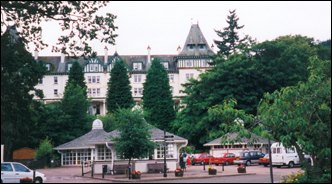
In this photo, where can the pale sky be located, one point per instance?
(165, 25)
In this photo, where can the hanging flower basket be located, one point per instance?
(212, 171)
(136, 175)
(178, 172)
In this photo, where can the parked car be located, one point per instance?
(14, 172)
(248, 157)
(203, 158)
(226, 158)
(265, 160)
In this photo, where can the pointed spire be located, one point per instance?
(195, 43)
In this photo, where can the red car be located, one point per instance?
(202, 158)
(264, 161)
(227, 158)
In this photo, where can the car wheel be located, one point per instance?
(202, 163)
(265, 165)
(248, 163)
(38, 180)
(291, 164)
(278, 166)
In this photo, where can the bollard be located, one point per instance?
(129, 172)
(92, 169)
(33, 177)
(204, 166)
(223, 164)
(82, 168)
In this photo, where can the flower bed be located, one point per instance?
(136, 175)
(178, 172)
(241, 169)
(212, 171)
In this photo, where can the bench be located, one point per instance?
(120, 169)
(155, 168)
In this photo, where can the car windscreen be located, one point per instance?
(244, 154)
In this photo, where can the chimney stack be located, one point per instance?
(106, 55)
(36, 54)
(149, 54)
(62, 57)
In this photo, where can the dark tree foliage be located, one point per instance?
(157, 97)
(19, 74)
(231, 42)
(78, 21)
(76, 76)
(119, 89)
(74, 106)
(278, 63)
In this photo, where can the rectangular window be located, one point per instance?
(93, 91)
(48, 67)
(171, 78)
(89, 91)
(69, 67)
(140, 91)
(137, 78)
(98, 79)
(55, 92)
(89, 79)
(189, 63)
(137, 66)
(165, 65)
(91, 68)
(55, 80)
(169, 151)
(189, 76)
(135, 91)
(103, 153)
(40, 81)
(98, 91)
(93, 79)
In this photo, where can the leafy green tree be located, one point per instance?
(324, 50)
(157, 97)
(231, 42)
(134, 140)
(276, 64)
(76, 76)
(19, 74)
(118, 91)
(74, 106)
(45, 149)
(301, 116)
(77, 19)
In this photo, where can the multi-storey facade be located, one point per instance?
(190, 62)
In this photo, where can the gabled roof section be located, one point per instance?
(232, 136)
(196, 43)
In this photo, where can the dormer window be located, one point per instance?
(201, 46)
(48, 67)
(137, 66)
(69, 66)
(165, 64)
(191, 47)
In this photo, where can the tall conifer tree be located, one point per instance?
(76, 76)
(157, 97)
(119, 89)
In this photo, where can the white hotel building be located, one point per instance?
(190, 62)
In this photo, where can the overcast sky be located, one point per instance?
(165, 25)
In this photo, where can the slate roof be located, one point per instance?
(195, 38)
(99, 136)
(232, 136)
(60, 68)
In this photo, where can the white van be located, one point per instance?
(282, 156)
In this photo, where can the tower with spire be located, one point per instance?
(195, 56)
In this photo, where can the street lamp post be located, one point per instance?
(270, 159)
(165, 174)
